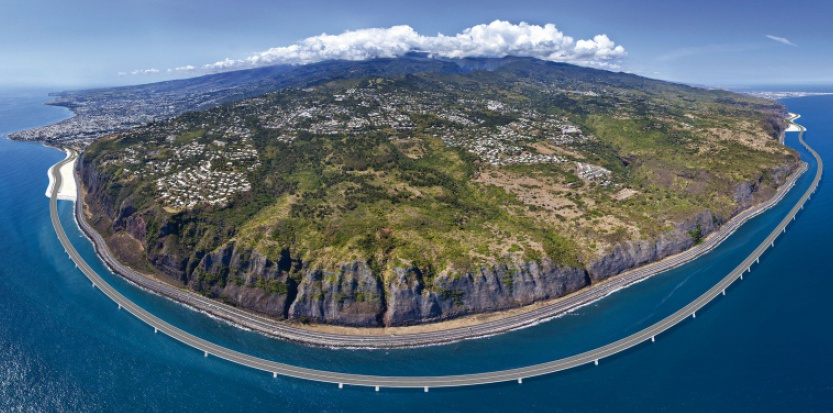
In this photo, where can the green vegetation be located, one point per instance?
(445, 173)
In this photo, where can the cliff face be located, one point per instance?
(632, 254)
(355, 296)
(488, 289)
(286, 288)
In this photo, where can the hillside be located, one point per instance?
(396, 197)
(103, 111)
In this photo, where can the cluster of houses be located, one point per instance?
(212, 169)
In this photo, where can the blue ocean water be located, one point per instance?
(764, 347)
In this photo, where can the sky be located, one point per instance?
(90, 43)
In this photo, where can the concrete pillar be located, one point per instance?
(724, 292)
(653, 339)
(596, 362)
(694, 315)
(155, 330)
(520, 381)
(205, 354)
(426, 389)
(341, 385)
(119, 306)
(377, 388)
(275, 375)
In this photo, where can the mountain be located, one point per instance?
(412, 190)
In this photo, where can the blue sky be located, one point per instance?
(90, 42)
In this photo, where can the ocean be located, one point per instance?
(766, 346)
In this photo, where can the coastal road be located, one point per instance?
(427, 382)
(263, 325)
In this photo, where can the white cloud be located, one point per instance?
(496, 39)
(143, 72)
(181, 69)
(781, 40)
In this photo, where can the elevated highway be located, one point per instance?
(426, 382)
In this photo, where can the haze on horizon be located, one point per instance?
(97, 43)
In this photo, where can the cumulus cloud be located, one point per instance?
(781, 40)
(496, 39)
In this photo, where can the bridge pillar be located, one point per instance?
(275, 375)
(653, 339)
(694, 315)
(741, 276)
(724, 292)
(377, 388)
(119, 306)
(520, 381)
(155, 330)
(596, 362)
(757, 260)
(772, 245)
(205, 354)
(93, 285)
(425, 389)
(341, 385)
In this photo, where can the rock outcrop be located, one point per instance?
(489, 289)
(632, 254)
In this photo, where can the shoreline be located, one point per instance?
(443, 332)
(67, 191)
(425, 382)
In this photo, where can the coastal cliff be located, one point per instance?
(287, 288)
(415, 197)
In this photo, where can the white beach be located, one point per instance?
(68, 190)
(792, 127)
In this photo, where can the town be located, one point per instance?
(210, 162)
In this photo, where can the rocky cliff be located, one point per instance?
(284, 287)
(406, 196)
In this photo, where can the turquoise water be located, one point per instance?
(764, 347)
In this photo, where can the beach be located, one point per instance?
(68, 190)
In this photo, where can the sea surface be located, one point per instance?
(766, 346)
